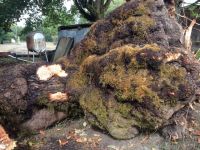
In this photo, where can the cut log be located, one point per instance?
(24, 92)
(5, 142)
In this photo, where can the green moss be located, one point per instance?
(124, 110)
(93, 102)
(130, 85)
(141, 10)
(154, 47)
(77, 81)
(146, 120)
(24, 132)
(129, 81)
(52, 106)
(173, 73)
(171, 77)
(141, 25)
(43, 100)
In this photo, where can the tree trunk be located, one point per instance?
(24, 94)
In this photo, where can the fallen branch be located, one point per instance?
(186, 18)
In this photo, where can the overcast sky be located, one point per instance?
(188, 2)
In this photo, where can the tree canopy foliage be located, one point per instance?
(47, 15)
(93, 9)
(193, 10)
(10, 11)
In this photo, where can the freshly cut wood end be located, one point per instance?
(5, 142)
(43, 73)
(46, 72)
(62, 74)
(172, 56)
(58, 97)
(56, 69)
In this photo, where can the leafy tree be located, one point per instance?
(92, 10)
(50, 20)
(193, 10)
(10, 11)
(13, 33)
(115, 4)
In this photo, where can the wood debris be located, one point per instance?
(171, 56)
(58, 97)
(187, 37)
(81, 137)
(62, 142)
(5, 142)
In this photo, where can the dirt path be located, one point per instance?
(78, 135)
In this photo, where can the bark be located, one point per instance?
(93, 10)
(23, 95)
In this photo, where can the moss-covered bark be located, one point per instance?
(134, 73)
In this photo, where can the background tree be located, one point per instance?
(47, 16)
(11, 11)
(92, 10)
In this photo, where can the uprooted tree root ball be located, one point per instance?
(130, 74)
(132, 88)
(134, 73)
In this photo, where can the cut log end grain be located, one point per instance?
(46, 72)
(58, 97)
(5, 142)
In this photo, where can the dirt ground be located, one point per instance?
(21, 47)
(78, 135)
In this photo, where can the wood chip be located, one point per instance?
(42, 132)
(62, 142)
(58, 97)
(5, 142)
